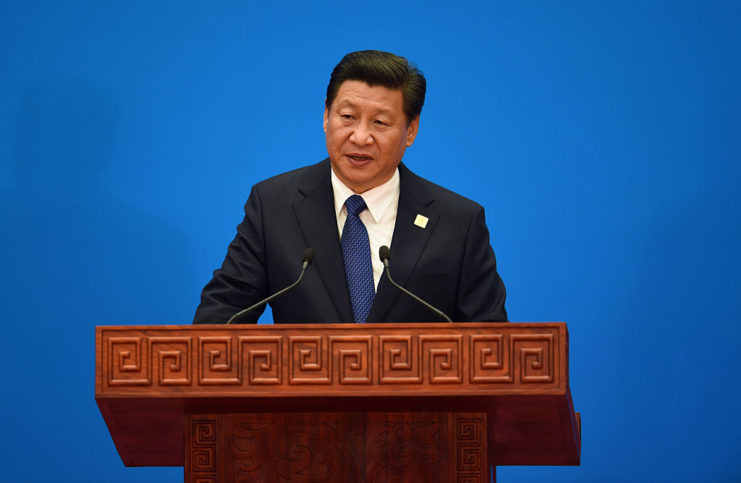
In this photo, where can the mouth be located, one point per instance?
(359, 158)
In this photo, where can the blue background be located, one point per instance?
(601, 137)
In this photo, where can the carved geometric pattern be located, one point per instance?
(246, 360)
(309, 360)
(534, 357)
(202, 457)
(171, 357)
(217, 361)
(262, 357)
(468, 429)
(352, 356)
(129, 364)
(470, 447)
(490, 359)
(469, 458)
(442, 358)
(399, 360)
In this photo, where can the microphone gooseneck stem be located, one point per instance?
(434, 309)
(276, 294)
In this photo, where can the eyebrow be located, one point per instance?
(350, 103)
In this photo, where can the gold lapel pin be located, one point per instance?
(421, 221)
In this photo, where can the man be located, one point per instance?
(439, 240)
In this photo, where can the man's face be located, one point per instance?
(367, 133)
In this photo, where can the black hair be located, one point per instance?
(375, 67)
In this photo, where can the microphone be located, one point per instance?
(385, 255)
(308, 258)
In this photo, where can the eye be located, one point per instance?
(380, 122)
(346, 116)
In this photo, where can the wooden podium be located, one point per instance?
(338, 402)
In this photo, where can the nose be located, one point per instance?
(361, 135)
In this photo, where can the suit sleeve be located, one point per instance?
(242, 279)
(481, 292)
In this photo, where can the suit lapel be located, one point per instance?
(408, 241)
(318, 222)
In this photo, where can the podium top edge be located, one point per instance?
(349, 326)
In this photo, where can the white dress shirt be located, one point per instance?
(379, 219)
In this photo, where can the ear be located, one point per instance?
(326, 118)
(412, 130)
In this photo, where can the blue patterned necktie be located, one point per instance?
(357, 257)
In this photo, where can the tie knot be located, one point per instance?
(355, 205)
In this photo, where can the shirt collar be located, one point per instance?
(376, 199)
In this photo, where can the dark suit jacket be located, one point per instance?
(449, 263)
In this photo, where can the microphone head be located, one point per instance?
(308, 255)
(384, 253)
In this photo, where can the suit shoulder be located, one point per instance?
(296, 177)
(445, 198)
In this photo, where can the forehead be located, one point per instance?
(360, 95)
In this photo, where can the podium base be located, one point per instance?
(337, 447)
